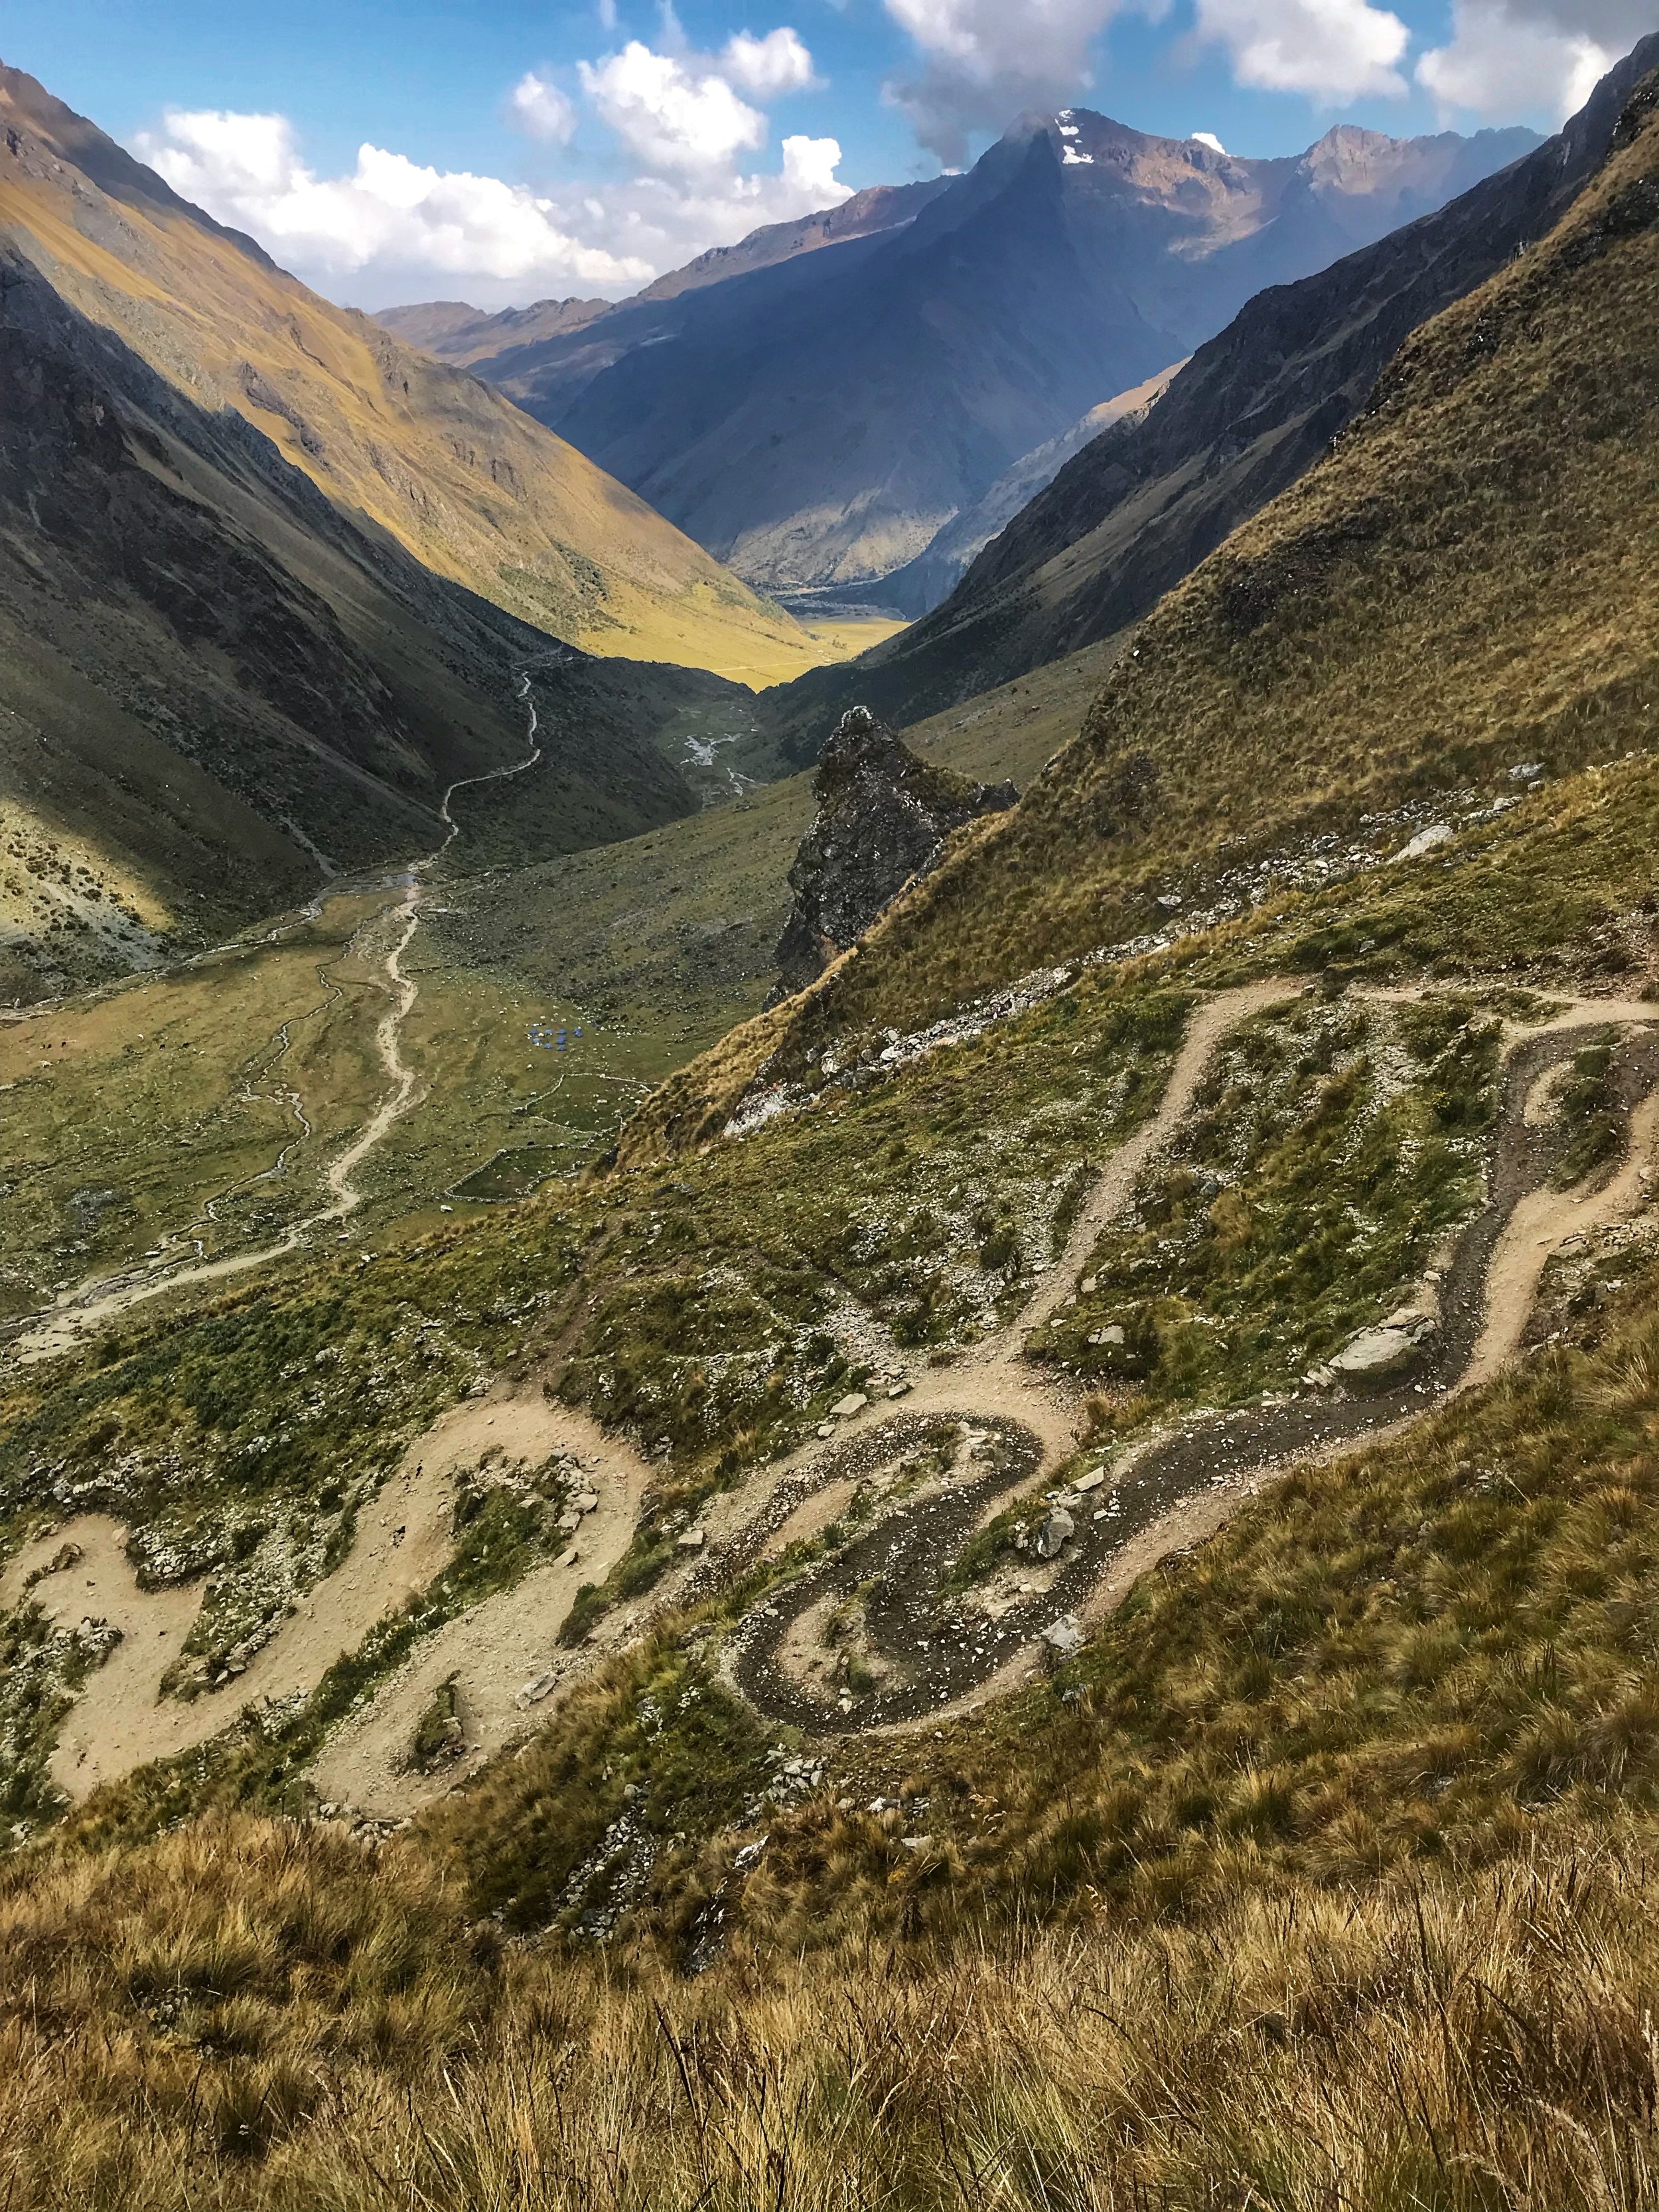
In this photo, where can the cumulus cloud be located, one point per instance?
(671, 112)
(390, 214)
(394, 230)
(1333, 51)
(767, 67)
(982, 61)
(1510, 57)
(539, 108)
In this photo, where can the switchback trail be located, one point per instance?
(80, 1312)
(964, 1442)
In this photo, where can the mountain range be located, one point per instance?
(816, 405)
(1140, 506)
(1036, 1586)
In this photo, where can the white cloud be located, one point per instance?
(1333, 51)
(1540, 57)
(392, 230)
(542, 110)
(1208, 138)
(767, 67)
(985, 60)
(390, 215)
(671, 112)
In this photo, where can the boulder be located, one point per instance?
(1063, 1636)
(1055, 1531)
(1384, 1350)
(844, 1408)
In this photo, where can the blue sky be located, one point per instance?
(499, 151)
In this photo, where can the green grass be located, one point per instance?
(1331, 1152)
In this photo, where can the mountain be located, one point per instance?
(1051, 1608)
(1141, 506)
(412, 446)
(1459, 586)
(460, 333)
(219, 688)
(922, 584)
(817, 420)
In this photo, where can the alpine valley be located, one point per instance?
(822, 1430)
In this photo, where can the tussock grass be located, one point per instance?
(259, 2019)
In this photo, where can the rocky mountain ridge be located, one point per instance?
(451, 470)
(1138, 508)
(1077, 258)
(883, 817)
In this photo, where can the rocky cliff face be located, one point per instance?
(882, 817)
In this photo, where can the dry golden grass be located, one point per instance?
(473, 487)
(263, 2018)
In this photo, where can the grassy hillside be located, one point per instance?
(221, 690)
(1136, 511)
(668, 937)
(1322, 1865)
(471, 487)
(1310, 1865)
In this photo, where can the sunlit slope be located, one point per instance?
(472, 488)
(1464, 585)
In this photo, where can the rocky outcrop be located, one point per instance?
(882, 817)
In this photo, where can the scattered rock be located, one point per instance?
(844, 1408)
(1384, 1350)
(1055, 1531)
(898, 1390)
(1426, 841)
(569, 1559)
(1090, 1482)
(1112, 1334)
(585, 1501)
(693, 1539)
(1063, 1636)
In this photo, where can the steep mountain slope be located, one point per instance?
(456, 475)
(915, 1651)
(1459, 586)
(218, 687)
(1140, 506)
(463, 334)
(820, 421)
(922, 584)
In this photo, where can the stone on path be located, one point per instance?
(1053, 1533)
(1063, 1636)
(1392, 1345)
(844, 1408)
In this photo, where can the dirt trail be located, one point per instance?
(506, 1645)
(404, 1541)
(1182, 1485)
(82, 1311)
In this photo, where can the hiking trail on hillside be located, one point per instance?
(81, 1311)
(965, 1441)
